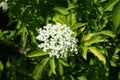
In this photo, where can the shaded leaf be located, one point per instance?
(1, 66)
(62, 10)
(113, 63)
(72, 78)
(98, 54)
(39, 69)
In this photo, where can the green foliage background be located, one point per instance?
(96, 24)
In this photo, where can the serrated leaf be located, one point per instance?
(61, 10)
(109, 6)
(37, 53)
(63, 62)
(116, 17)
(98, 53)
(107, 33)
(60, 68)
(84, 52)
(39, 69)
(52, 65)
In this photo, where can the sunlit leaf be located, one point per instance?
(109, 6)
(39, 69)
(84, 52)
(95, 39)
(63, 62)
(52, 65)
(37, 53)
(107, 33)
(98, 53)
(87, 36)
(59, 18)
(116, 17)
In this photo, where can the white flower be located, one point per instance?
(4, 5)
(57, 38)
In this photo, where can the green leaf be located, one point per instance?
(107, 33)
(117, 50)
(116, 17)
(81, 78)
(52, 65)
(24, 36)
(98, 53)
(18, 24)
(61, 10)
(59, 18)
(32, 36)
(63, 62)
(109, 6)
(60, 68)
(87, 36)
(71, 6)
(37, 53)
(113, 63)
(95, 39)
(84, 52)
(8, 65)
(37, 73)
(72, 78)
(71, 19)
(1, 66)
(78, 25)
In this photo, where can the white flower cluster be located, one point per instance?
(4, 5)
(57, 38)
